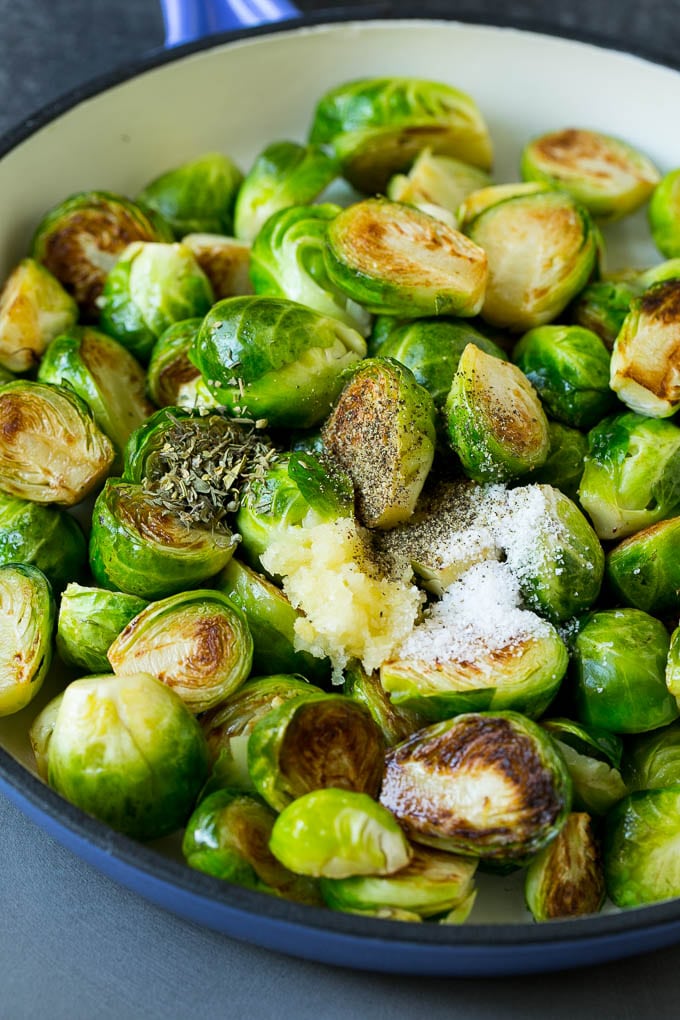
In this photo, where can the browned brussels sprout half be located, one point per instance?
(170, 370)
(489, 785)
(382, 432)
(566, 878)
(224, 260)
(396, 723)
(26, 622)
(34, 308)
(81, 239)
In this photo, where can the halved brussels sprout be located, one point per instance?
(228, 727)
(377, 126)
(431, 883)
(396, 260)
(227, 836)
(602, 307)
(26, 622)
(150, 287)
(645, 364)
(479, 201)
(196, 642)
(81, 239)
(126, 750)
(664, 215)
(644, 570)
(382, 432)
(51, 451)
(439, 181)
(652, 760)
(641, 862)
(606, 175)
(542, 249)
(569, 368)
(620, 661)
(566, 878)
(495, 420)
(432, 349)
(476, 649)
(631, 478)
(489, 785)
(315, 742)
(335, 833)
(274, 359)
(271, 620)
(34, 308)
(563, 468)
(284, 174)
(197, 196)
(593, 758)
(90, 619)
(224, 260)
(43, 536)
(554, 552)
(395, 722)
(108, 378)
(169, 366)
(288, 262)
(141, 548)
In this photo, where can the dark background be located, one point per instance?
(74, 945)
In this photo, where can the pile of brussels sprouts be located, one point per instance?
(227, 363)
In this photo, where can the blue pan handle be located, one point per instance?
(188, 20)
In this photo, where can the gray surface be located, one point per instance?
(73, 944)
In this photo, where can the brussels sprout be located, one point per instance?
(606, 175)
(150, 287)
(641, 848)
(644, 570)
(645, 364)
(620, 661)
(593, 762)
(495, 420)
(272, 358)
(40, 735)
(396, 260)
(51, 451)
(569, 368)
(455, 661)
(197, 642)
(126, 750)
(631, 478)
(34, 308)
(81, 239)
(395, 722)
(382, 432)
(26, 622)
(333, 833)
(664, 215)
(228, 727)
(143, 549)
(564, 467)
(197, 196)
(437, 181)
(49, 539)
(479, 201)
(566, 879)
(227, 836)
(315, 742)
(673, 666)
(431, 883)
(284, 174)
(271, 620)
(490, 785)
(224, 260)
(559, 562)
(542, 249)
(89, 621)
(432, 349)
(377, 126)
(288, 262)
(652, 761)
(108, 378)
(602, 307)
(169, 366)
